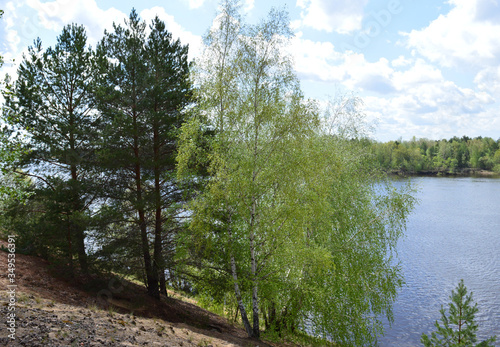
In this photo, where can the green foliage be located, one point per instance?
(118, 242)
(344, 254)
(451, 156)
(11, 186)
(287, 215)
(142, 94)
(251, 98)
(458, 327)
(292, 222)
(83, 127)
(51, 127)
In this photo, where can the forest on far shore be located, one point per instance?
(454, 156)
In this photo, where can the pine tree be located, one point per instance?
(459, 327)
(142, 95)
(52, 103)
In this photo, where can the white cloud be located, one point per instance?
(195, 3)
(469, 33)
(195, 42)
(11, 20)
(317, 60)
(401, 61)
(488, 10)
(343, 16)
(488, 80)
(54, 15)
(418, 73)
(409, 96)
(428, 105)
(368, 76)
(249, 5)
(465, 38)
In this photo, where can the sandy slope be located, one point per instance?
(51, 311)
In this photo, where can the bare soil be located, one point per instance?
(51, 310)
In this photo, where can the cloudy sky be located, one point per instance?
(425, 68)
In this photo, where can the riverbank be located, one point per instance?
(53, 311)
(468, 172)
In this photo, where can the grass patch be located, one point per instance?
(299, 338)
(22, 298)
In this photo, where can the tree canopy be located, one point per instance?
(290, 224)
(95, 131)
(141, 97)
(51, 104)
(449, 156)
(218, 176)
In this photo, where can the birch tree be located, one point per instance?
(290, 222)
(252, 98)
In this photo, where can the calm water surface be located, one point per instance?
(454, 233)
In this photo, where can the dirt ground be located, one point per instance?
(53, 311)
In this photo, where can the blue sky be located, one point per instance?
(423, 68)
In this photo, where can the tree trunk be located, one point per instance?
(76, 224)
(255, 284)
(237, 292)
(70, 250)
(79, 229)
(266, 320)
(241, 306)
(80, 245)
(163, 283)
(158, 265)
(255, 294)
(151, 275)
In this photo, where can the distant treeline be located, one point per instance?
(456, 155)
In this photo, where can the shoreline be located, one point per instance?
(445, 173)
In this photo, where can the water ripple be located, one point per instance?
(453, 234)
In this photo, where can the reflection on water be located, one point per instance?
(454, 233)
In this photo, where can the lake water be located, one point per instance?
(453, 234)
